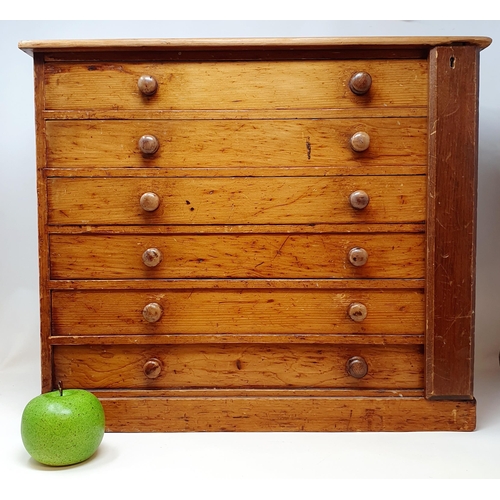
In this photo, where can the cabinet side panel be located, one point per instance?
(45, 315)
(452, 187)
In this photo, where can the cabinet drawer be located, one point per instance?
(393, 255)
(241, 200)
(234, 85)
(247, 311)
(237, 366)
(235, 143)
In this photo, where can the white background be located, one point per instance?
(180, 465)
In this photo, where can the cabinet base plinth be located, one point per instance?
(294, 414)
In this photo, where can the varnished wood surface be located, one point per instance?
(233, 114)
(335, 392)
(238, 200)
(236, 256)
(275, 414)
(243, 43)
(242, 284)
(303, 171)
(238, 338)
(238, 366)
(208, 311)
(206, 229)
(254, 332)
(235, 85)
(452, 210)
(250, 143)
(43, 237)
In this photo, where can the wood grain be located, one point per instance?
(227, 143)
(312, 392)
(275, 414)
(238, 338)
(237, 256)
(190, 172)
(239, 200)
(234, 114)
(43, 237)
(208, 311)
(242, 284)
(454, 77)
(206, 229)
(235, 85)
(211, 44)
(238, 365)
(253, 172)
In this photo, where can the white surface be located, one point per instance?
(185, 463)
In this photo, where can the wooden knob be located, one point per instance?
(147, 85)
(357, 311)
(152, 312)
(150, 202)
(360, 142)
(152, 257)
(152, 368)
(359, 199)
(356, 367)
(149, 144)
(358, 256)
(360, 83)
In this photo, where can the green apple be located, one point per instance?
(63, 427)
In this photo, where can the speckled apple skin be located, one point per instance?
(63, 430)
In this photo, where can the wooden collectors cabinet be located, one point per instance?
(260, 235)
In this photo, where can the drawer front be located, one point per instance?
(237, 366)
(236, 143)
(244, 200)
(394, 255)
(248, 311)
(234, 85)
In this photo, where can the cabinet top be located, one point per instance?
(158, 44)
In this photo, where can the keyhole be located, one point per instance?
(452, 62)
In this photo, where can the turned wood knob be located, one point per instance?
(359, 199)
(360, 83)
(152, 368)
(356, 367)
(149, 144)
(358, 256)
(152, 312)
(152, 257)
(357, 311)
(147, 85)
(360, 142)
(149, 202)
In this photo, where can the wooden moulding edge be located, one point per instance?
(30, 46)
